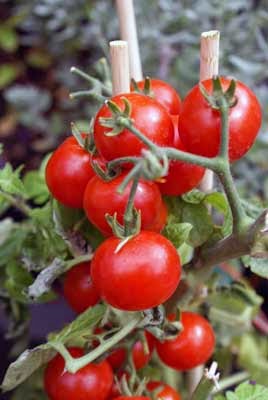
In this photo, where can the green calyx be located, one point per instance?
(118, 115)
(218, 98)
(147, 88)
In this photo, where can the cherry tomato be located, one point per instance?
(182, 176)
(68, 172)
(94, 381)
(102, 198)
(149, 116)
(192, 347)
(165, 94)
(199, 124)
(140, 357)
(160, 220)
(78, 289)
(132, 397)
(142, 274)
(165, 393)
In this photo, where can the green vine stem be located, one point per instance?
(16, 202)
(129, 218)
(208, 382)
(231, 381)
(74, 364)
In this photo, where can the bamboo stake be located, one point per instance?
(120, 66)
(128, 31)
(209, 66)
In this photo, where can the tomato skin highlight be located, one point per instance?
(165, 94)
(78, 289)
(166, 393)
(149, 116)
(143, 274)
(192, 347)
(94, 381)
(68, 172)
(102, 197)
(199, 124)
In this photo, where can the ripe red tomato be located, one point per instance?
(132, 397)
(165, 94)
(94, 381)
(78, 289)
(182, 176)
(199, 124)
(143, 274)
(192, 347)
(149, 116)
(102, 197)
(160, 220)
(68, 172)
(166, 393)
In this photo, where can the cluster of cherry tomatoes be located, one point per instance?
(146, 270)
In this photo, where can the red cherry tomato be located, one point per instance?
(165, 94)
(199, 124)
(132, 397)
(192, 347)
(161, 219)
(94, 381)
(140, 357)
(166, 392)
(117, 357)
(102, 198)
(149, 116)
(68, 172)
(78, 288)
(182, 176)
(142, 274)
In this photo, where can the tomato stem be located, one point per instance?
(129, 218)
(74, 364)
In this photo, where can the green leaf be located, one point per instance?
(232, 309)
(18, 279)
(81, 326)
(8, 39)
(247, 391)
(13, 244)
(202, 227)
(6, 227)
(219, 202)
(194, 196)
(253, 356)
(177, 233)
(8, 73)
(258, 266)
(28, 362)
(35, 185)
(11, 182)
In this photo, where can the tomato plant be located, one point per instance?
(199, 124)
(149, 116)
(78, 288)
(192, 347)
(68, 172)
(164, 93)
(102, 198)
(148, 265)
(92, 381)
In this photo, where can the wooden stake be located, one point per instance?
(128, 31)
(209, 66)
(120, 67)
